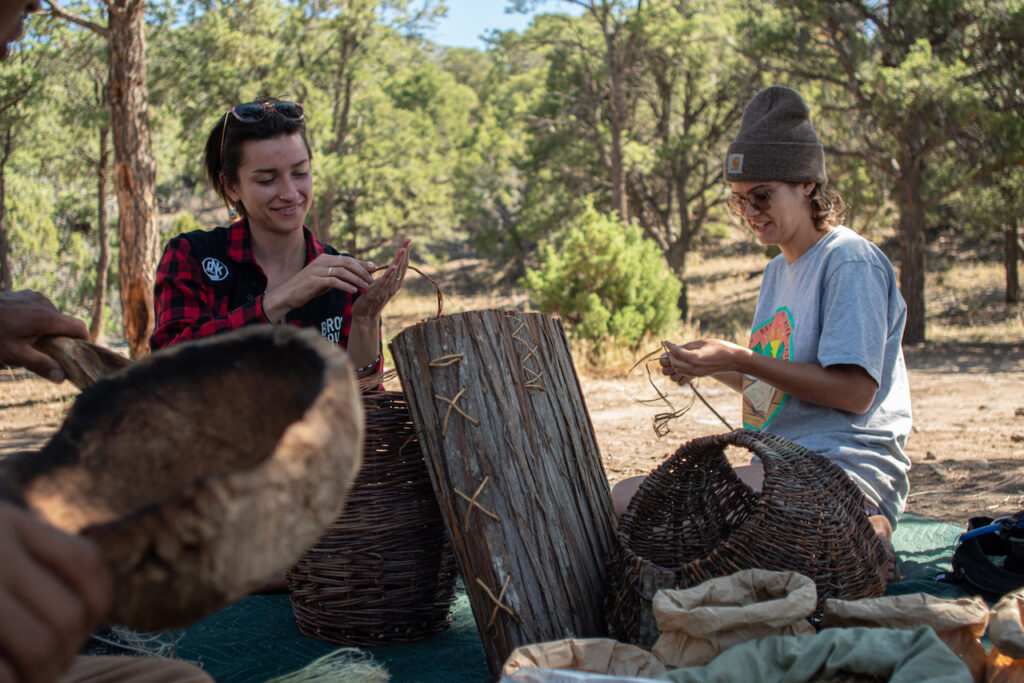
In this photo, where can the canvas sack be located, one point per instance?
(700, 622)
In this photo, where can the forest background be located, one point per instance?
(578, 161)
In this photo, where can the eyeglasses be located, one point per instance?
(760, 199)
(254, 112)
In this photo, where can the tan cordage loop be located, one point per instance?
(536, 379)
(498, 604)
(445, 361)
(452, 406)
(474, 504)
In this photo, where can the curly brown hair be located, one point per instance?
(827, 207)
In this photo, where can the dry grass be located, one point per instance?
(964, 304)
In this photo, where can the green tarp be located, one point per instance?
(256, 638)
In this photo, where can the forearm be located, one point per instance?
(364, 343)
(277, 304)
(846, 387)
(733, 380)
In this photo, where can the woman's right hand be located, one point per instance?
(700, 358)
(54, 591)
(325, 272)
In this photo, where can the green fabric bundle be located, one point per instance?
(894, 655)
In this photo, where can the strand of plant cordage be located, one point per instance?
(661, 420)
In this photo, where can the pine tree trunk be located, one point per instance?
(99, 296)
(6, 277)
(677, 253)
(134, 170)
(912, 255)
(516, 469)
(1011, 257)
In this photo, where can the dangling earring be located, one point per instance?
(233, 213)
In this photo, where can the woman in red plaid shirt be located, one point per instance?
(267, 267)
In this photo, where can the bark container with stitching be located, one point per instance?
(693, 519)
(385, 570)
(203, 469)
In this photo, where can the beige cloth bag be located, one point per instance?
(958, 623)
(1006, 656)
(593, 655)
(700, 622)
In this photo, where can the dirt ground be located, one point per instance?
(967, 445)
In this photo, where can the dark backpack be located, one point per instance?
(973, 565)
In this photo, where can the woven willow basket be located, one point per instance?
(693, 519)
(385, 570)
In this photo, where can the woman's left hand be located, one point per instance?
(385, 286)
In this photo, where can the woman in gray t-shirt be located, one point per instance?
(824, 367)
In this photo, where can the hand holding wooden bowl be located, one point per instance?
(203, 469)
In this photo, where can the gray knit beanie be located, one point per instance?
(776, 141)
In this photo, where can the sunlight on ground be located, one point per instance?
(966, 304)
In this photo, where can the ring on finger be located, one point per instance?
(329, 270)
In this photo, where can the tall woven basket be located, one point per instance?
(693, 519)
(385, 570)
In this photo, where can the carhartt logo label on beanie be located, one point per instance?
(776, 141)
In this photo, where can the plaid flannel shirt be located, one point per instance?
(209, 282)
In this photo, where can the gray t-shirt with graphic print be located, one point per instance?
(838, 304)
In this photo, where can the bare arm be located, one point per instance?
(844, 387)
(364, 336)
(733, 380)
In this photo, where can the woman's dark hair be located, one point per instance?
(827, 207)
(224, 146)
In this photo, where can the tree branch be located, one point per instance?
(59, 12)
(982, 173)
(873, 156)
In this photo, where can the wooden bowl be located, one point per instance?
(204, 469)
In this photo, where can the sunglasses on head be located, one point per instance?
(760, 199)
(251, 112)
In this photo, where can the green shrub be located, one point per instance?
(606, 282)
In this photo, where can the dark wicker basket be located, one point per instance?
(693, 519)
(385, 571)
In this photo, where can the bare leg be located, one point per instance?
(751, 475)
(623, 492)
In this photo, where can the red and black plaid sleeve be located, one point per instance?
(185, 308)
